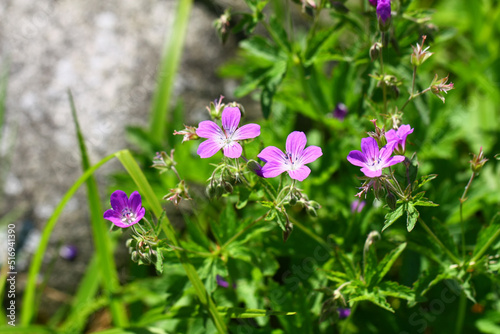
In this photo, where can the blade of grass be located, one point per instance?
(145, 190)
(29, 307)
(169, 64)
(102, 241)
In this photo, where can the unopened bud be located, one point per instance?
(228, 187)
(134, 256)
(211, 190)
(391, 200)
(311, 211)
(375, 51)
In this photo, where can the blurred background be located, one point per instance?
(108, 54)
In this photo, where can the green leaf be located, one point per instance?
(425, 203)
(393, 289)
(392, 217)
(279, 34)
(487, 237)
(260, 47)
(281, 220)
(346, 264)
(316, 44)
(336, 276)
(375, 297)
(385, 265)
(370, 263)
(275, 76)
(411, 216)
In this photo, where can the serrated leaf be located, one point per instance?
(370, 264)
(346, 263)
(426, 178)
(336, 276)
(425, 203)
(315, 44)
(374, 297)
(385, 265)
(392, 217)
(411, 216)
(393, 289)
(281, 220)
(279, 34)
(261, 48)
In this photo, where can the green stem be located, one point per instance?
(309, 233)
(461, 314)
(413, 80)
(487, 244)
(145, 189)
(414, 96)
(462, 223)
(384, 88)
(237, 235)
(429, 231)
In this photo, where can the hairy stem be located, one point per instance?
(462, 200)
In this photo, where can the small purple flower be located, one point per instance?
(372, 159)
(398, 138)
(384, 10)
(125, 211)
(344, 312)
(357, 205)
(373, 3)
(340, 111)
(293, 161)
(68, 252)
(225, 138)
(221, 282)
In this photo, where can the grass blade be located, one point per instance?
(102, 241)
(169, 64)
(29, 308)
(145, 190)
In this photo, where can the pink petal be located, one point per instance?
(273, 169)
(310, 154)
(119, 200)
(272, 153)
(209, 129)
(208, 148)
(295, 143)
(369, 147)
(140, 215)
(230, 118)
(356, 158)
(391, 136)
(115, 218)
(386, 151)
(371, 173)
(300, 174)
(135, 202)
(232, 150)
(246, 132)
(394, 160)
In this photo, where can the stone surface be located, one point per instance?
(107, 53)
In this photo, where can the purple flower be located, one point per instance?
(68, 252)
(125, 211)
(357, 205)
(344, 312)
(398, 138)
(293, 161)
(221, 282)
(340, 111)
(372, 159)
(384, 10)
(373, 3)
(225, 138)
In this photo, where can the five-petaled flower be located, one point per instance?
(372, 159)
(125, 211)
(398, 138)
(293, 161)
(227, 137)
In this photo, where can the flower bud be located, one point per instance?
(478, 161)
(439, 86)
(189, 133)
(391, 200)
(134, 256)
(419, 54)
(340, 111)
(384, 14)
(375, 51)
(215, 109)
(211, 190)
(228, 187)
(311, 211)
(222, 25)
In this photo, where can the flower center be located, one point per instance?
(374, 163)
(292, 161)
(128, 216)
